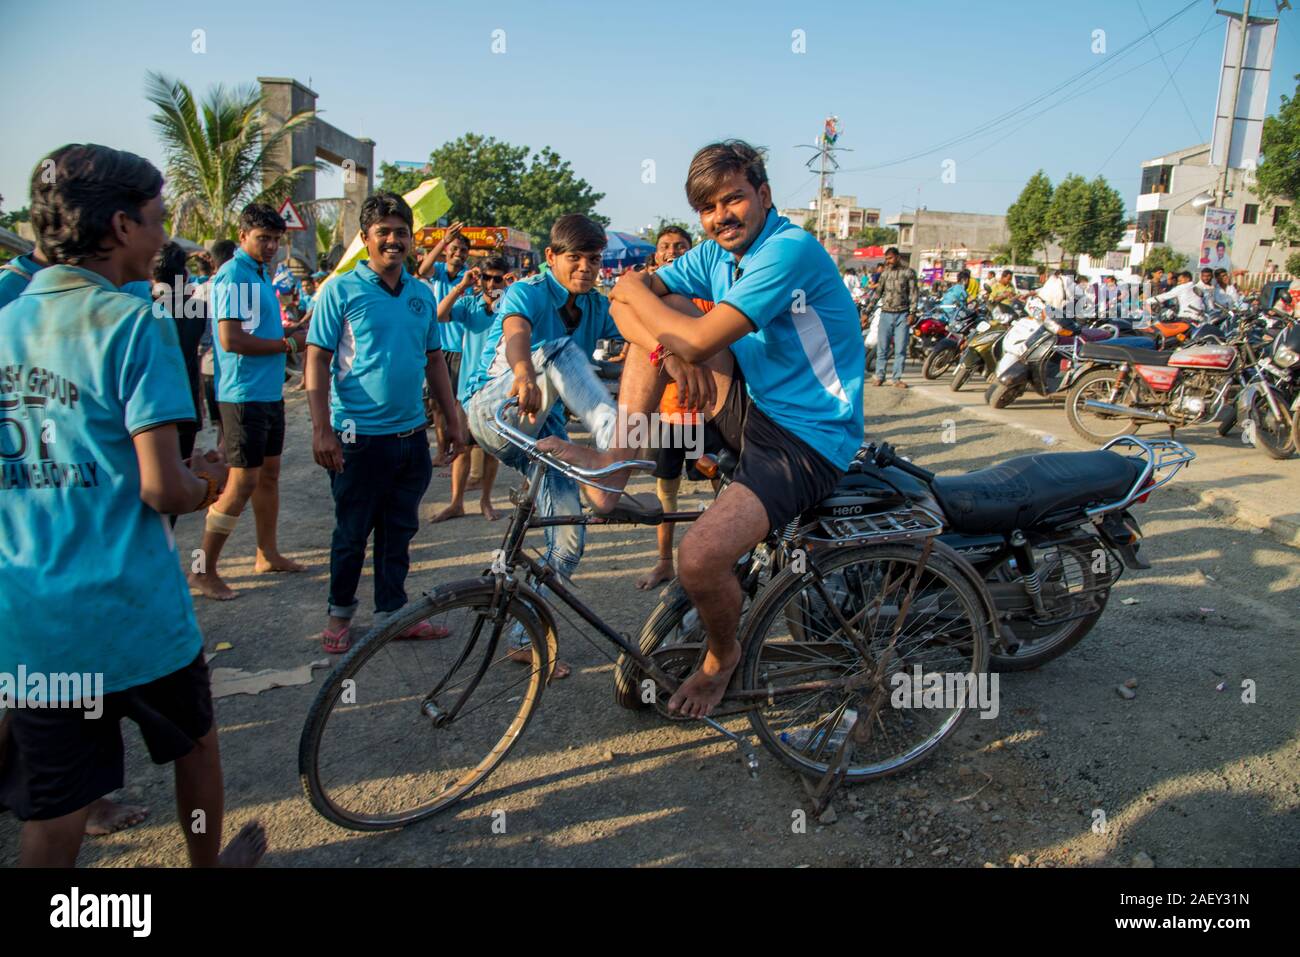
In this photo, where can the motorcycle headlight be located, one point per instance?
(1285, 356)
(982, 326)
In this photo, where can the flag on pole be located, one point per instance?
(428, 202)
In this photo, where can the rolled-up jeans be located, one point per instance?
(893, 326)
(563, 374)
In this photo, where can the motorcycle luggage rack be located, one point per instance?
(912, 524)
(1160, 455)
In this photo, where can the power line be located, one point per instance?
(1177, 89)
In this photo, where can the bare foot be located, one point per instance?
(701, 692)
(488, 511)
(210, 585)
(586, 458)
(247, 847)
(276, 563)
(108, 817)
(525, 657)
(662, 572)
(450, 512)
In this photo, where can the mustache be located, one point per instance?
(727, 225)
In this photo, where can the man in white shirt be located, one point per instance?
(1054, 293)
(853, 284)
(1191, 304)
(1225, 293)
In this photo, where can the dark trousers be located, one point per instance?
(384, 478)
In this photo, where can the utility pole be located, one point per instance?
(821, 194)
(827, 165)
(1232, 115)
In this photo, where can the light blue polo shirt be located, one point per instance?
(471, 313)
(91, 580)
(803, 363)
(450, 333)
(14, 277)
(380, 343)
(242, 290)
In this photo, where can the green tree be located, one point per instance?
(1027, 217)
(13, 218)
(218, 154)
(399, 181)
(810, 224)
(876, 236)
(1278, 174)
(1070, 214)
(494, 183)
(1162, 257)
(1106, 213)
(1293, 265)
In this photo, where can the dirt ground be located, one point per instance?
(1184, 773)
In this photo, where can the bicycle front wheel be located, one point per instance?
(908, 616)
(403, 729)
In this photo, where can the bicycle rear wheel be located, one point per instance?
(404, 729)
(943, 631)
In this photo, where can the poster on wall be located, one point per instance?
(1216, 237)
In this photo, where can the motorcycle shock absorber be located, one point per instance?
(1029, 574)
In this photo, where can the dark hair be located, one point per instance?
(892, 249)
(379, 206)
(1221, 272)
(674, 231)
(77, 190)
(459, 238)
(169, 263)
(716, 161)
(222, 250)
(495, 263)
(1005, 273)
(963, 275)
(576, 233)
(260, 216)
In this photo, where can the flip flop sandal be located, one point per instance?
(424, 631)
(337, 642)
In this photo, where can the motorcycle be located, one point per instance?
(983, 348)
(947, 350)
(1125, 387)
(1271, 403)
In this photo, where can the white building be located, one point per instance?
(844, 217)
(1167, 217)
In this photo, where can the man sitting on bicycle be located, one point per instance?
(777, 366)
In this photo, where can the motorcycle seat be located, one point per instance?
(1112, 353)
(1019, 492)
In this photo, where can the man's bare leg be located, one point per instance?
(666, 489)
(729, 527)
(53, 843)
(489, 480)
(240, 486)
(200, 800)
(459, 475)
(266, 515)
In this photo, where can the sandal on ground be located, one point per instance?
(337, 642)
(424, 631)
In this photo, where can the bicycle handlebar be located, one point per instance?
(528, 445)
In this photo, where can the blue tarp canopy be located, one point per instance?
(624, 249)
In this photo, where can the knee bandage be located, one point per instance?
(220, 522)
(666, 489)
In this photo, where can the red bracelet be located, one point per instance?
(659, 355)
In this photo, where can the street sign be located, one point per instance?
(289, 213)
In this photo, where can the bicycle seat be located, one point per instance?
(1111, 353)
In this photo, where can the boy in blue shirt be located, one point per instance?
(92, 587)
(777, 365)
(249, 347)
(374, 339)
(474, 314)
(441, 267)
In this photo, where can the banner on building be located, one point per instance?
(1252, 96)
(1216, 238)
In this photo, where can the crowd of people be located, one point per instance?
(111, 341)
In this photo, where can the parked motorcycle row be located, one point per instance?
(1238, 368)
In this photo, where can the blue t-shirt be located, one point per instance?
(470, 312)
(539, 300)
(14, 277)
(242, 290)
(450, 333)
(380, 343)
(91, 582)
(803, 364)
(955, 296)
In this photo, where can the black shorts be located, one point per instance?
(210, 395)
(254, 431)
(453, 369)
(57, 760)
(786, 474)
(671, 459)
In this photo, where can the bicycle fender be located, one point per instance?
(542, 617)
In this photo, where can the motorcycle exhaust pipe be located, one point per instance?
(1125, 410)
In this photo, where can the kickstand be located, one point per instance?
(746, 752)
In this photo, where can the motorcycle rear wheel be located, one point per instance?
(1098, 427)
(938, 362)
(1273, 436)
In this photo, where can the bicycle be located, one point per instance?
(824, 642)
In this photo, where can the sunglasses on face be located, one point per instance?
(488, 277)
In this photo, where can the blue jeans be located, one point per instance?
(563, 373)
(384, 478)
(893, 325)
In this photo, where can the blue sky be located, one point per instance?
(611, 85)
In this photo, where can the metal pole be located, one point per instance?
(1236, 90)
(821, 193)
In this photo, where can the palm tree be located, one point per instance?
(218, 154)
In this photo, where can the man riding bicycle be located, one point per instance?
(777, 365)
